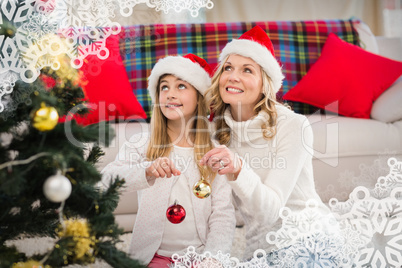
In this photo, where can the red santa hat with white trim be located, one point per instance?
(255, 44)
(189, 68)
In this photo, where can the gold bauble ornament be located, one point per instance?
(202, 189)
(45, 118)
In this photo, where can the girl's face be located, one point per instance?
(177, 98)
(240, 81)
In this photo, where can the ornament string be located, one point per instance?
(202, 189)
(42, 140)
(176, 213)
(61, 208)
(60, 213)
(61, 220)
(23, 162)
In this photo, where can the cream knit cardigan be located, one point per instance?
(275, 173)
(214, 216)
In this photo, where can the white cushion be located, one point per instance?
(367, 38)
(390, 47)
(339, 136)
(387, 108)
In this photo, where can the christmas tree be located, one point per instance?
(47, 184)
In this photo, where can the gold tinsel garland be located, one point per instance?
(84, 243)
(29, 264)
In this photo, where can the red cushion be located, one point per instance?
(108, 90)
(346, 79)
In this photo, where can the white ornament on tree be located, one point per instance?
(57, 188)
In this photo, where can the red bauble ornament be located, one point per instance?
(175, 213)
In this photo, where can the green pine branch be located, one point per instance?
(32, 156)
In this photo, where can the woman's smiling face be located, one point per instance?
(240, 81)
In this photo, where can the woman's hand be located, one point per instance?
(162, 167)
(210, 263)
(223, 161)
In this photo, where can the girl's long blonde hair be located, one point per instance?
(160, 144)
(218, 107)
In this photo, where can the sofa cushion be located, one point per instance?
(387, 108)
(346, 79)
(128, 203)
(338, 136)
(108, 90)
(123, 132)
(367, 38)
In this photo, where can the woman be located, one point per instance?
(266, 149)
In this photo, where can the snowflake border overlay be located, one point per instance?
(44, 32)
(84, 26)
(364, 231)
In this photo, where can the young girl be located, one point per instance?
(164, 166)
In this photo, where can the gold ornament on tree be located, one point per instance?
(45, 118)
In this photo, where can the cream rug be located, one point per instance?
(31, 246)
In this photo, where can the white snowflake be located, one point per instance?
(195, 5)
(126, 6)
(38, 26)
(394, 178)
(308, 238)
(86, 25)
(178, 5)
(345, 179)
(385, 247)
(317, 250)
(11, 65)
(377, 214)
(353, 241)
(44, 30)
(45, 7)
(193, 259)
(7, 83)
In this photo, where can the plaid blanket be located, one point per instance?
(297, 46)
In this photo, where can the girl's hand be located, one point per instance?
(162, 167)
(223, 161)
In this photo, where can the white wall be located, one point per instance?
(370, 11)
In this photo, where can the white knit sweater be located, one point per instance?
(275, 173)
(213, 216)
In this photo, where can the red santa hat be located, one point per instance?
(255, 44)
(189, 68)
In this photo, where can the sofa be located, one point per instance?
(348, 151)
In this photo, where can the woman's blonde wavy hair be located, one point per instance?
(160, 144)
(218, 107)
